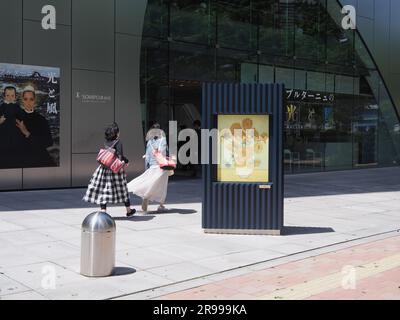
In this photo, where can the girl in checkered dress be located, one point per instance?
(106, 186)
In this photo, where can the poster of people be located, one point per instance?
(243, 148)
(29, 116)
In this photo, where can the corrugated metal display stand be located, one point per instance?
(235, 207)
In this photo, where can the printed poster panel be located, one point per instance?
(243, 148)
(29, 116)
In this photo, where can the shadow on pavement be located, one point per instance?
(122, 271)
(190, 191)
(135, 218)
(290, 231)
(170, 211)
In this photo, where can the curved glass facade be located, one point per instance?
(339, 114)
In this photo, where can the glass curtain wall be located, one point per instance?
(338, 115)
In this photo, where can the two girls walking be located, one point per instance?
(108, 187)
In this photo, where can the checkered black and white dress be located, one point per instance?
(107, 187)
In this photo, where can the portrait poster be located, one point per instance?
(243, 148)
(29, 116)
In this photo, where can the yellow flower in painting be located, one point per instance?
(235, 126)
(225, 134)
(258, 148)
(291, 112)
(264, 136)
(240, 160)
(256, 134)
(247, 124)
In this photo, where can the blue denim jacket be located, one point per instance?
(154, 144)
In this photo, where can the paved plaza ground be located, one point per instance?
(367, 271)
(161, 255)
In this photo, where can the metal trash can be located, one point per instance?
(98, 245)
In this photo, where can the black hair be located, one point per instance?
(9, 88)
(111, 132)
(155, 131)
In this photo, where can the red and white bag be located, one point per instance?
(107, 157)
(165, 163)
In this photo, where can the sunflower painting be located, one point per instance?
(243, 156)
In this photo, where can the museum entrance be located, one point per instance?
(186, 111)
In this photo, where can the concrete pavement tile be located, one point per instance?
(28, 295)
(291, 248)
(37, 275)
(389, 205)
(23, 204)
(231, 261)
(8, 226)
(11, 255)
(172, 235)
(193, 227)
(146, 258)
(54, 250)
(9, 286)
(367, 208)
(67, 218)
(332, 201)
(83, 290)
(140, 239)
(11, 216)
(75, 242)
(139, 223)
(24, 237)
(373, 197)
(220, 246)
(122, 230)
(391, 213)
(185, 251)
(254, 242)
(331, 240)
(71, 263)
(365, 232)
(182, 271)
(60, 233)
(229, 274)
(36, 223)
(134, 282)
(120, 245)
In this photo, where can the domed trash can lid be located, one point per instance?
(98, 222)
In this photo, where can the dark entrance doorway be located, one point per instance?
(186, 109)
